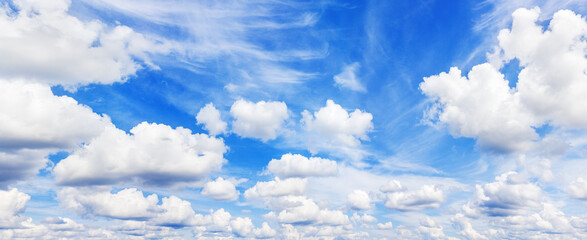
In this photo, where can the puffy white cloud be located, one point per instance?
(466, 228)
(549, 90)
(220, 190)
(365, 218)
(348, 78)
(277, 187)
(552, 81)
(392, 186)
(359, 199)
(332, 127)
(387, 225)
(13, 203)
(154, 154)
(260, 120)
(209, 116)
(430, 230)
(126, 204)
(302, 210)
(295, 165)
(481, 106)
(34, 123)
(41, 41)
(265, 231)
(510, 194)
(578, 189)
(429, 196)
(175, 212)
(242, 227)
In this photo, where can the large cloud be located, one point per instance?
(34, 123)
(260, 120)
(13, 203)
(154, 154)
(41, 41)
(550, 87)
(296, 165)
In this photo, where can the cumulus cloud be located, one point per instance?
(13, 203)
(359, 200)
(302, 210)
(296, 165)
(241, 226)
(42, 42)
(429, 196)
(154, 154)
(348, 78)
(34, 123)
(332, 127)
(365, 218)
(578, 189)
(220, 190)
(387, 225)
(510, 194)
(549, 90)
(276, 188)
(209, 116)
(265, 231)
(260, 120)
(465, 227)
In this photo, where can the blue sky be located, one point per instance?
(293, 119)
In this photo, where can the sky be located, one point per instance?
(287, 119)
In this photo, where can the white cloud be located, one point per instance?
(220, 190)
(430, 230)
(466, 228)
(296, 165)
(387, 225)
(242, 227)
(429, 196)
(265, 231)
(578, 189)
(260, 120)
(549, 90)
(365, 218)
(359, 199)
(302, 210)
(480, 106)
(209, 116)
(13, 203)
(276, 188)
(392, 186)
(154, 154)
(348, 78)
(44, 43)
(35, 123)
(128, 203)
(510, 194)
(333, 129)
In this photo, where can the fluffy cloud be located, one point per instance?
(429, 196)
(392, 186)
(265, 231)
(13, 203)
(365, 219)
(209, 116)
(220, 190)
(241, 226)
(276, 188)
(359, 199)
(510, 194)
(295, 165)
(260, 120)
(155, 154)
(302, 210)
(348, 78)
(481, 106)
(549, 90)
(34, 123)
(126, 204)
(466, 228)
(41, 41)
(387, 225)
(578, 189)
(335, 127)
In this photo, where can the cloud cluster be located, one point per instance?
(42, 42)
(153, 154)
(549, 89)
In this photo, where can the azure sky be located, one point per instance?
(293, 119)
